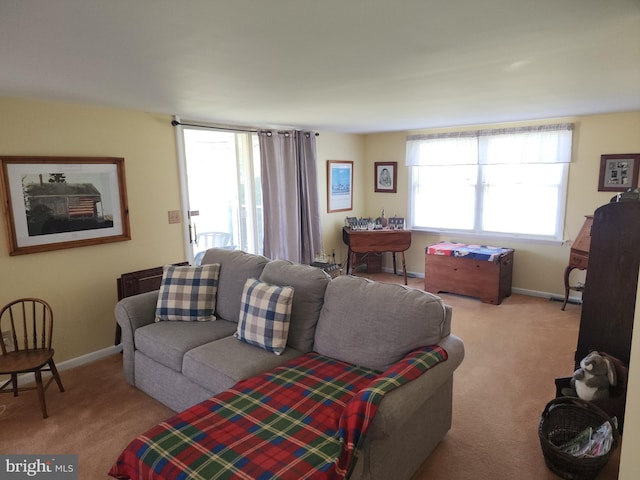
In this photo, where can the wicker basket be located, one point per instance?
(562, 419)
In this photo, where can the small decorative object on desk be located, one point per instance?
(351, 222)
(360, 223)
(383, 220)
(396, 223)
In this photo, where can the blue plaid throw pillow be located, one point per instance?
(264, 315)
(188, 293)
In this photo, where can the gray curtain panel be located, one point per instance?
(290, 195)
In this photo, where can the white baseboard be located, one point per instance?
(89, 357)
(399, 272)
(552, 296)
(27, 378)
(577, 299)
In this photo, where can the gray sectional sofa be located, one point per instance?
(367, 323)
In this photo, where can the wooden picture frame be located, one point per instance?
(385, 177)
(618, 172)
(52, 203)
(339, 185)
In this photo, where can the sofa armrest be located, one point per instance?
(404, 401)
(132, 313)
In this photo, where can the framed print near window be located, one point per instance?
(386, 174)
(339, 185)
(618, 172)
(53, 203)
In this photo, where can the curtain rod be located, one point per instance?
(176, 123)
(230, 129)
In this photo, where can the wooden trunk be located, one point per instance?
(487, 280)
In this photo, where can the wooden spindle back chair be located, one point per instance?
(27, 330)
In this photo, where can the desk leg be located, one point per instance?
(567, 271)
(348, 260)
(404, 268)
(393, 254)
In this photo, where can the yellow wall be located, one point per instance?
(537, 267)
(80, 283)
(332, 146)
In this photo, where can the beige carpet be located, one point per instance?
(513, 353)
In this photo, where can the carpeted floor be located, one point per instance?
(94, 418)
(513, 353)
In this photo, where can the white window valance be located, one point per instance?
(521, 145)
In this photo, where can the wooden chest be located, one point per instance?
(489, 280)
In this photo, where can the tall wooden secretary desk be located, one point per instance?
(578, 257)
(609, 298)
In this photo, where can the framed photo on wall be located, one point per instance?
(339, 185)
(385, 177)
(63, 202)
(618, 172)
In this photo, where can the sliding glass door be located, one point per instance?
(223, 190)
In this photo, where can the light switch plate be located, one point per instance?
(174, 216)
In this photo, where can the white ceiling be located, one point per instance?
(334, 65)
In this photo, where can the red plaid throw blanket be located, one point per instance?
(303, 420)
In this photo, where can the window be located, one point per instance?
(508, 182)
(224, 190)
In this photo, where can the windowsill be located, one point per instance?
(495, 238)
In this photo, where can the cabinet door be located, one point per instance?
(609, 299)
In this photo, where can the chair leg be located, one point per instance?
(14, 384)
(54, 372)
(40, 389)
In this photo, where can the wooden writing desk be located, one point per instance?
(578, 257)
(364, 241)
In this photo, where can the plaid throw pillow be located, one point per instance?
(264, 315)
(188, 293)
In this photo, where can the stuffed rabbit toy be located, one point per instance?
(594, 377)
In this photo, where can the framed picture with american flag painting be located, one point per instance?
(53, 203)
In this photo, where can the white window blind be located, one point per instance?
(506, 182)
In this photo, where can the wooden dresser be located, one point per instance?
(578, 257)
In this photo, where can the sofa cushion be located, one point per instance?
(188, 293)
(218, 365)
(309, 284)
(374, 324)
(264, 315)
(167, 342)
(236, 267)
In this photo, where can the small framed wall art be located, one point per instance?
(618, 172)
(385, 177)
(64, 202)
(339, 185)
